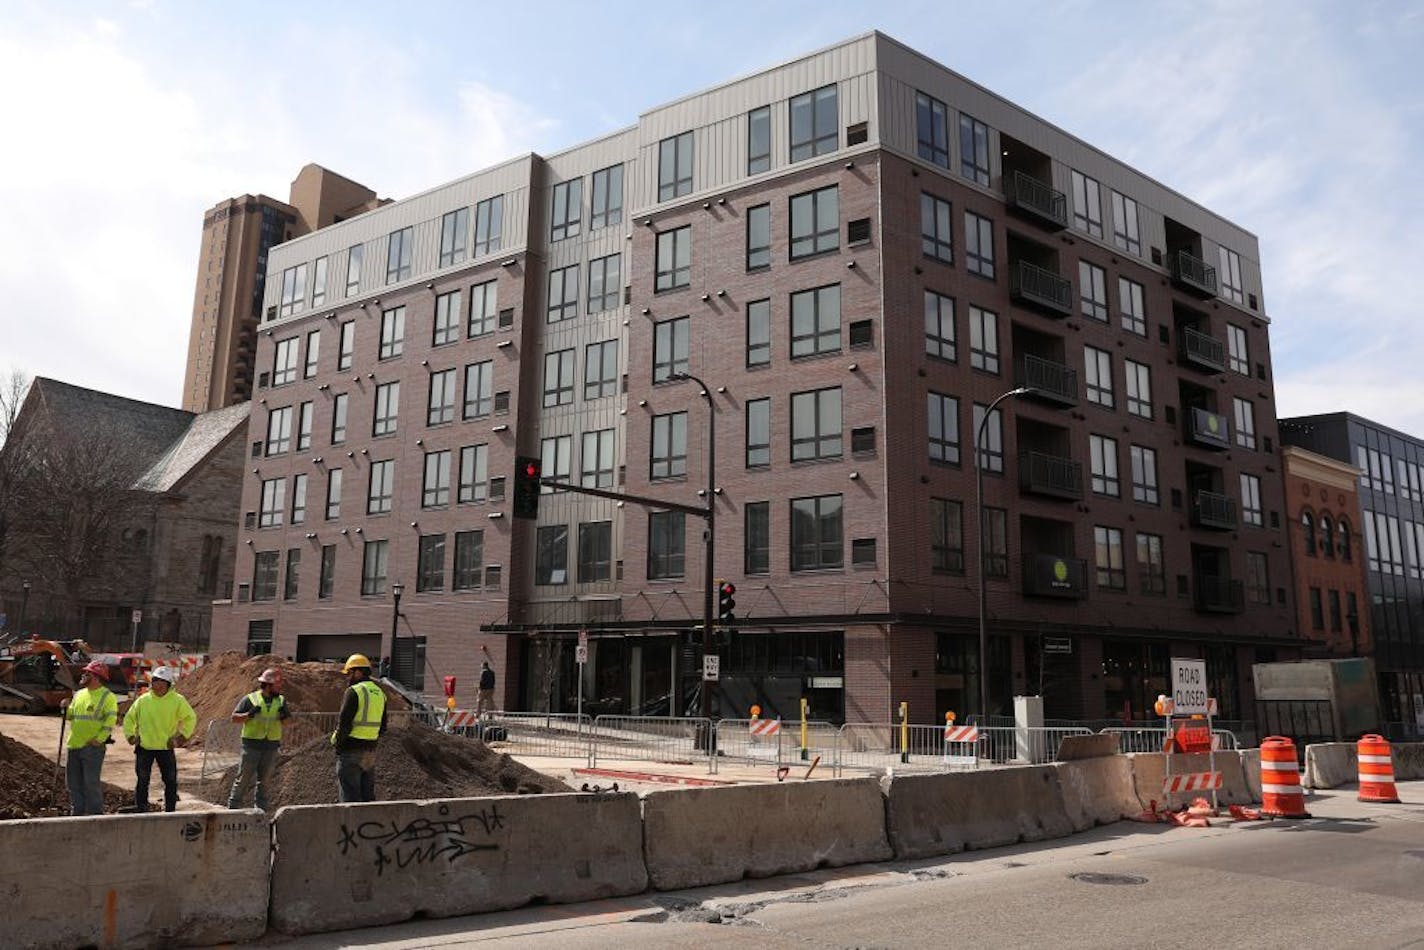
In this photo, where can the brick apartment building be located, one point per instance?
(858, 252)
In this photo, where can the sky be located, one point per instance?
(1301, 121)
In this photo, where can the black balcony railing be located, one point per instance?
(1053, 575)
(1040, 287)
(1050, 475)
(1219, 595)
(1193, 274)
(1038, 200)
(1208, 429)
(1213, 510)
(1198, 349)
(1049, 381)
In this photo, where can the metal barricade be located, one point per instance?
(557, 735)
(222, 747)
(777, 743)
(1146, 739)
(1024, 745)
(675, 741)
(890, 746)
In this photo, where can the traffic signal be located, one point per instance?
(726, 603)
(527, 470)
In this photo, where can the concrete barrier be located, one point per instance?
(699, 836)
(929, 815)
(181, 879)
(1330, 765)
(1149, 769)
(1073, 748)
(1097, 791)
(1251, 771)
(1408, 760)
(342, 866)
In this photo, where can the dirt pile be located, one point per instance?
(28, 788)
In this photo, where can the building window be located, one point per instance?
(1098, 370)
(1103, 452)
(756, 543)
(1343, 537)
(983, 339)
(274, 503)
(284, 362)
(815, 222)
(1245, 422)
(815, 124)
(484, 306)
(1230, 274)
(943, 428)
(1125, 232)
(474, 474)
(759, 237)
(436, 492)
(759, 333)
(1251, 500)
(758, 433)
(669, 455)
(1333, 596)
(674, 259)
(354, 255)
(387, 408)
(991, 432)
(1144, 474)
(430, 566)
(816, 321)
(595, 551)
(1087, 205)
(1238, 356)
(479, 389)
(551, 559)
(600, 369)
(398, 255)
(605, 283)
(1258, 582)
(667, 541)
(1151, 568)
(313, 352)
(347, 346)
(936, 235)
(294, 290)
(996, 542)
(597, 459)
(392, 333)
(264, 575)
(469, 560)
(670, 345)
(1134, 310)
(1317, 613)
(489, 225)
(304, 426)
(1093, 291)
(1307, 533)
(974, 150)
(979, 244)
(556, 453)
(373, 567)
(1327, 537)
(563, 293)
(333, 494)
(759, 140)
(559, 378)
(338, 418)
(382, 487)
(1138, 379)
(299, 499)
(946, 535)
(326, 582)
(816, 541)
(940, 340)
(1382, 543)
(675, 166)
(441, 408)
(566, 210)
(607, 198)
(446, 328)
(454, 229)
(932, 129)
(1107, 547)
(279, 431)
(816, 424)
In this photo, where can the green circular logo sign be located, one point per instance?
(1060, 570)
(1213, 423)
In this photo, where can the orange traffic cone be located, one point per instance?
(1376, 770)
(1281, 795)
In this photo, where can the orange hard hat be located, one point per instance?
(96, 668)
(270, 675)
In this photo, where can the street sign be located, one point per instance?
(711, 668)
(583, 638)
(1189, 687)
(1057, 644)
(581, 654)
(138, 616)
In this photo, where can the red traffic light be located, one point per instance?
(531, 469)
(728, 588)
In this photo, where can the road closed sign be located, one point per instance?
(1189, 687)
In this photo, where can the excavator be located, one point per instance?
(36, 675)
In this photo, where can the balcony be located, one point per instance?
(1050, 475)
(1052, 575)
(1042, 289)
(1193, 274)
(1219, 595)
(1213, 510)
(1038, 201)
(1209, 430)
(1051, 382)
(1197, 349)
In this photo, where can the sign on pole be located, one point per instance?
(137, 616)
(583, 638)
(1189, 687)
(1057, 645)
(711, 668)
(581, 654)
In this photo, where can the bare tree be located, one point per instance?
(14, 384)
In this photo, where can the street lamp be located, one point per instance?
(396, 590)
(709, 535)
(979, 514)
(24, 602)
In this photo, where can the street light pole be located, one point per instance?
(979, 513)
(396, 590)
(24, 603)
(709, 535)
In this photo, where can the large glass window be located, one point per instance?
(264, 575)
(756, 550)
(996, 542)
(294, 572)
(354, 256)
(469, 560)
(1230, 275)
(299, 499)
(758, 433)
(1103, 452)
(326, 582)
(489, 225)
(758, 237)
(983, 339)
(595, 551)
(974, 150)
(398, 250)
(347, 345)
(990, 437)
(943, 428)
(274, 503)
(279, 431)
(559, 378)
(1151, 567)
(815, 222)
(815, 124)
(374, 559)
(430, 568)
(946, 535)
(597, 459)
(607, 197)
(446, 328)
(1251, 500)
(566, 209)
(939, 327)
(932, 129)
(284, 361)
(816, 535)
(387, 408)
(1093, 291)
(816, 321)
(304, 426)
(759, 140)
(816, 424)
(441, 407)
(600, 369)
(484, 307)
(670, 347)
(1134, 310)
(1138, 378)
(674, 259)
(1125, 233)
(392, 333)
(1237, 353)
(979, 244)
(669, 455)
(936, 229)
(1107, 548)
(1245, 422)
(1097, 366)
(454, 231)
(294, 290)
(1087, 204)
(667, 544)
(381, 489)
(474, 474)
(605, 283)
(758, 332)
(675, 166)
(1144, 474)
(556, 453)
(479, 389)
(435, 491)
(551, 559)
(563, 293)
(333, 494)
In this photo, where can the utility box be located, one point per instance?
(1333, 700)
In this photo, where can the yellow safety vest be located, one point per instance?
(92, 714)
(266, 722)
(367, 724)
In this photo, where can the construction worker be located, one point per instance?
(362, 720)
(261, 713)
(92, 714)
(158, 722)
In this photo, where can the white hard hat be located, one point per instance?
(166, 673)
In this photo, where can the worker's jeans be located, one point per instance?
(258, 761)
(167, 769)
(81, 774)
(356, 775)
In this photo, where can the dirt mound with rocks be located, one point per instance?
(28, 788)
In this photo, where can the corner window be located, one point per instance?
(974, 150)
(932, 129)
(815, 124)
(489, 225)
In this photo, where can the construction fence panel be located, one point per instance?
(779, 744)
(908, 748)
(1143, 739)
(557, 735)
(674, 741)
(1025, 745)
(222, 747)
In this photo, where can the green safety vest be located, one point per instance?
(92, 714)
(266, 722)
(367, 724)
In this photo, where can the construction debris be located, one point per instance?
(28, 788)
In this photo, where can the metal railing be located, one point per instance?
(1032, 745)
(557, 735)
(1039, 285)
(1048, 379)
(676, 741)
(1148, 739)
(1203, 349)
(1039, 197)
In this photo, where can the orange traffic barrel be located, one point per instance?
(1376, 770)
(1281, 795)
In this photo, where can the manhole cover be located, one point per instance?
(1090, 878)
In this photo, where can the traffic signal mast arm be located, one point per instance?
(646, 502)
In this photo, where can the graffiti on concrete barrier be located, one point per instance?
(423, 841)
